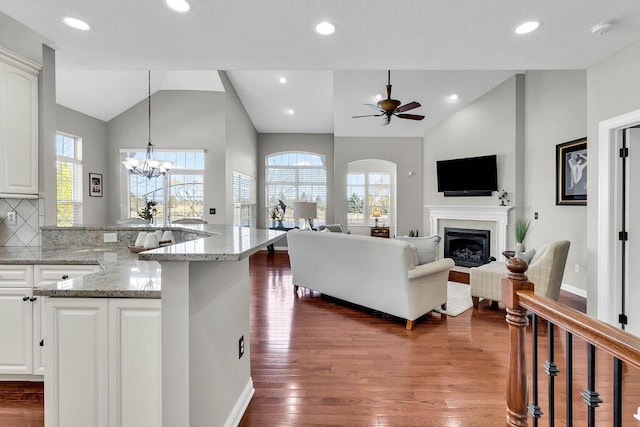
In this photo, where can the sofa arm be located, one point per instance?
(430, 268)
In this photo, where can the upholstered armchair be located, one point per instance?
(545, 272)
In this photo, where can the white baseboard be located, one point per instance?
(241, 405)
(573, 290)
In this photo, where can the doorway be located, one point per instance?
(630, 292)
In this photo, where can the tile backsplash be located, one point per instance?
(30, 216)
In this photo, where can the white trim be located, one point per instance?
(17, 196)
(19, 62)
(22, 377)
(574, 290)
(497, 214)
(241, 405)
(608, 205)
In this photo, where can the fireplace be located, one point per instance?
(467, 247)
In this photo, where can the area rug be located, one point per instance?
(458, 299)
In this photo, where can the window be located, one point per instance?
(68, 180)
(244, 200)
(179, 194)
(292, 177)
(371, 192)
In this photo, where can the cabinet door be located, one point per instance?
(47, 274)
(135, 381)
(76, 378)
(16, 334)
(38, 335)
(19, 138)
(16, 276)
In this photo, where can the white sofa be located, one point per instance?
(372, 272)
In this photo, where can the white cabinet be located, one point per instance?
(48, 274)
(19, 124)
(16, 319)
(103, 362)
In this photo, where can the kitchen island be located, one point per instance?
(204, 333)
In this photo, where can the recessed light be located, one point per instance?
(378, 97)
(453, 97)
(527, 27)
(283, 80)
(76, 23)
(325, 28)
(290, 112)
(180, 6)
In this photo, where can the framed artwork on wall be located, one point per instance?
(571, 173)
(95, 184)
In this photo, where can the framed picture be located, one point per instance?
(571, 173)
(95, 184)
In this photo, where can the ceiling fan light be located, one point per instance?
(325, 28)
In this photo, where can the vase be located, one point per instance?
(280, 225)
(519, 247)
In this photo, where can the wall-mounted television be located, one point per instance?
(471, 176)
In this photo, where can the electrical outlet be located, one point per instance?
(241, 347)
(12, 218)
(212, 211)
(110, 237)
(577, 268)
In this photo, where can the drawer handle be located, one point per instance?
(25, 298)
(32, 299)
(65, 276)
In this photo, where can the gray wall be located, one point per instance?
(94, 152)
(180, 119)
(492, 124)
(406, 153)
(241, 143)
(555, 112)
(270, 143)
(21, 39)
(613, 88)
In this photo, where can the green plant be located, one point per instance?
(149, 210)
(522, 228)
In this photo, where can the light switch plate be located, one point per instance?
(110, 237)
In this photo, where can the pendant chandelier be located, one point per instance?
(150, 167)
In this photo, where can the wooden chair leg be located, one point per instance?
(444, 306)
(410, 325)
(475, 300)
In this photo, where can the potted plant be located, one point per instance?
(522, 228)
(149, 210)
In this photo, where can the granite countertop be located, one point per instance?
(128, 275)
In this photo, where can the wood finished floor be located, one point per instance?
(316, 361)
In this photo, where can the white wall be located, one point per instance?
(492, 124)
(270, 143)
(406, 153)
(94, 152)
(555, 112)
(180, 119)
(613, 88)
(241, 142)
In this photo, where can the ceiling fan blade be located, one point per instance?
(374, 106)
(410, 116)
(407, 107)
(368, 115)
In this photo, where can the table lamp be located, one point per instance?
(376, 214)
(308, 211)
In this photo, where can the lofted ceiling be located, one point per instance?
(330, 77)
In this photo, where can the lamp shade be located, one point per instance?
(306, 210)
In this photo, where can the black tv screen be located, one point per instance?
(472, 176)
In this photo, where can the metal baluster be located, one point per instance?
(589, 394)
(534, 408)
(552, 370)
(569, 379)
(617, 392)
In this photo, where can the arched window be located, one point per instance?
(291, 177)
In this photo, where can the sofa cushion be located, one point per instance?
(527, 256)
(335, 228)
(426, 247)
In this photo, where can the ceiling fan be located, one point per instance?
(391, 107)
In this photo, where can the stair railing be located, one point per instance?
(520, 300)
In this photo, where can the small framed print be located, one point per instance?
(571, 173)
(95, 184)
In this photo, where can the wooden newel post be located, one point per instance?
(517, 320)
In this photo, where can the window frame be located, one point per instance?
(238, 206)
(77, 181)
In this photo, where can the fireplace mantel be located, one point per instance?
(497, 214)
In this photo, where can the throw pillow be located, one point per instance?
(527, 256)
(426, 247)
